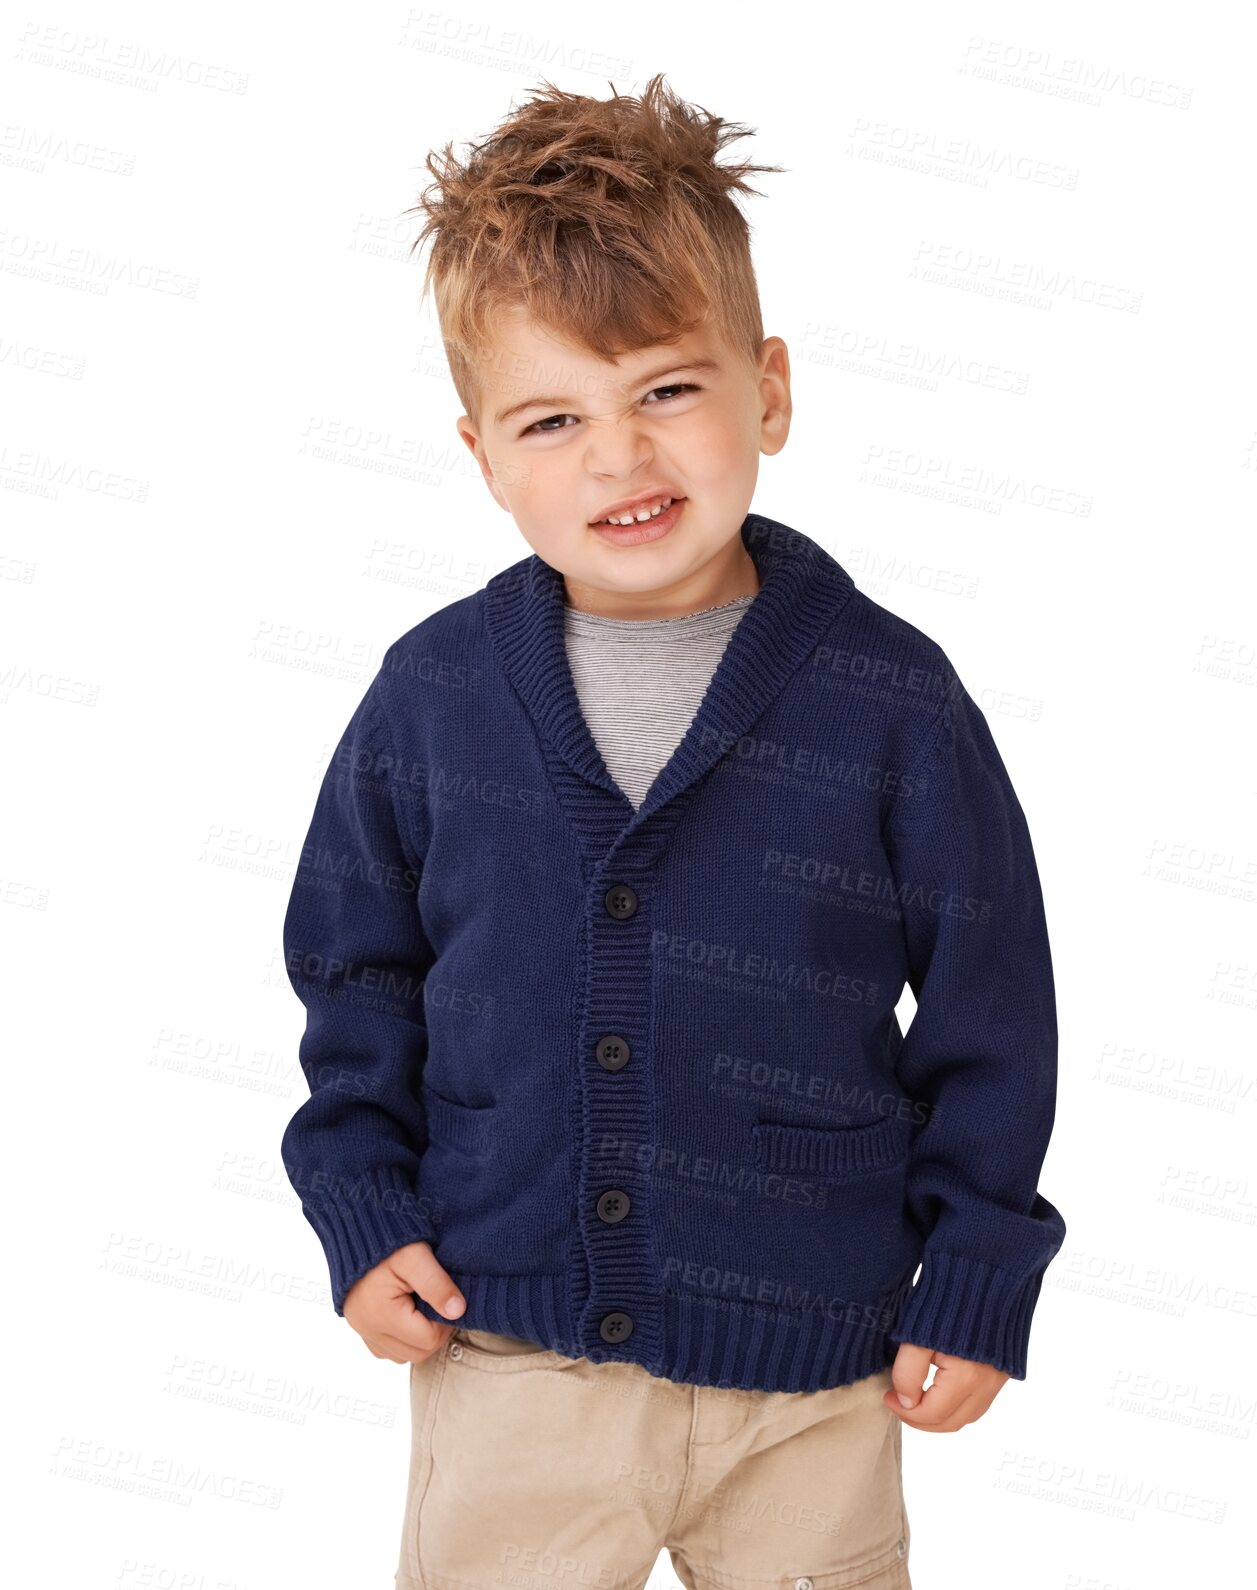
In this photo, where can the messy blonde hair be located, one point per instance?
(608, 221)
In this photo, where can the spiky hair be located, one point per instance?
(609, 221)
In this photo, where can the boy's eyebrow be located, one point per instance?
(503, 415)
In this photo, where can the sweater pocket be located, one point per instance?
(452, 1124)
(831, 1151)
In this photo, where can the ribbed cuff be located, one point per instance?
(970, 1309)
(375, 1216)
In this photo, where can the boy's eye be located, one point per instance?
(547, 427)
(544, 427)
(680, 386)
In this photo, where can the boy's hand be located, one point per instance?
(379, 1306)
(961, 1391)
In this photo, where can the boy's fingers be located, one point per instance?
(944, 1407)
(417, 1267)
(412, 1339)
(908, 1373)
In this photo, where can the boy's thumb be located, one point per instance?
(424, 1274)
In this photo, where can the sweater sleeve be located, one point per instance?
(357, 957)
(980, 1054)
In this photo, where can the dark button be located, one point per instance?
(617, 1327)
(613, 1206)
(613, 1052)
(620, 900)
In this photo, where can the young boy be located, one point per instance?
(609, 896)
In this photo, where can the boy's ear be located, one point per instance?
(774, 388)
(463, 425)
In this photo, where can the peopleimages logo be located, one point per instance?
(711, 1281)
(734, 960)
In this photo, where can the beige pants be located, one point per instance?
(532, 1470)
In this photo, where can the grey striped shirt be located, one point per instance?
(640, 681)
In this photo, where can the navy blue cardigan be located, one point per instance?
(637, 1075)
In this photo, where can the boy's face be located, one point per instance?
(565, 437)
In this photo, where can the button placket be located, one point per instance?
(620, 967)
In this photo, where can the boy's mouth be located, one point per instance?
(648, 520)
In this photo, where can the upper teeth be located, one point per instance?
(635, 515)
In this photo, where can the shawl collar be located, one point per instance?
(802, 589)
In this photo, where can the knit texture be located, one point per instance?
(635, 1072)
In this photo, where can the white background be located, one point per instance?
(231, 479)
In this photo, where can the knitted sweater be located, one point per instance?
(636, 1073)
